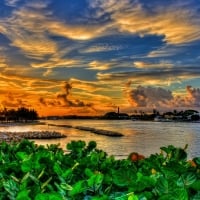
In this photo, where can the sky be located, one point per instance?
(89, 57)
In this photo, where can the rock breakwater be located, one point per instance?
(17, 136)
(92, 130)
(99, 131)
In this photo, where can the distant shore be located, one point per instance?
(11, 123)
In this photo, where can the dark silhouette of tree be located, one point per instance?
(21, 114)
(25, 114)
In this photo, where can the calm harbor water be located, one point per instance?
(139, 136)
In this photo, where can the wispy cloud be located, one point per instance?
(152, 77)
(131, 16)
(11, 2)
(97, 65)
(148, 65)
(101, 48)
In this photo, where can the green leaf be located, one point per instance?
(197, 161)
(22, 195)
(143, 181)
(48, 196)
(91, 145)
(67, 173)
(66, 186)
(57, 169)
(88, 172)
(78, 188)
(34, 179)
(180, 193)
(11, 187)
(132, 197)
(95, 181)
(21, 155)
(46, 183)
(196, 185)
(25, 177)
(124, 177)
(162, 186)
(186, 179)
(196, 197)
(27, 166)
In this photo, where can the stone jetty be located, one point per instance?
(99, 131)
(17, 136)
(92, 130)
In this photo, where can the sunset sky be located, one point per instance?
(88, 57)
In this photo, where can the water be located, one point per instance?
(139, 136)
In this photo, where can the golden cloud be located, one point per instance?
(81, 32)
(147, 65)
(54, 62)
(97, 65)
(177, 25)
(153, 77)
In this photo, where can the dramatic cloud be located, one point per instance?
(149, 97)
(98, 46)
(157, 97)
(193, 96)
(65, 97)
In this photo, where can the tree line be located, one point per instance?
(19, 115)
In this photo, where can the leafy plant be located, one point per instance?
(29, 171)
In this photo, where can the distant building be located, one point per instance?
(123, 116)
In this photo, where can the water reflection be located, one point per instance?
(143, 137)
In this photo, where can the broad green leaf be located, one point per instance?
(88, 172)
(132, 197)
(48, 196)
(67, 173)
(22, 155)
(78, 188)
(162, 186)
(22, 195)
(196, 197)
(186, 179)
(196, 185)
(124, 177)
(26, 166)
(95, 181)
(180, 193)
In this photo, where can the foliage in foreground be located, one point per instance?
(28, 171)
